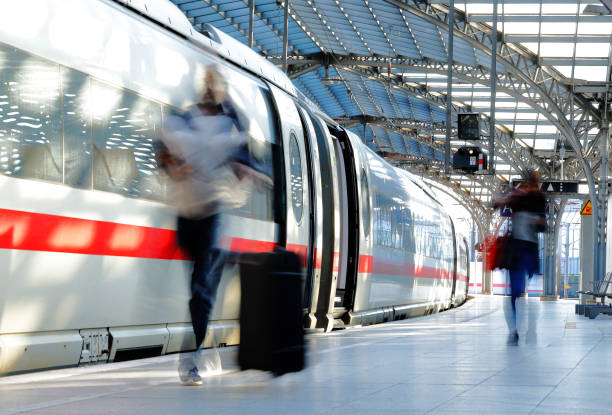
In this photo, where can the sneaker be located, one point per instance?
(190, 378)
(208, 361)
(513, 338)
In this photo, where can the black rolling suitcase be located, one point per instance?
(271, 327)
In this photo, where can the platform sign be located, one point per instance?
(559, 186)
(554, 186)
(505, 211)
(586, 208)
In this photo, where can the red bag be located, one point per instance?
(495, 252)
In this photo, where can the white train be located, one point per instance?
(90, 269)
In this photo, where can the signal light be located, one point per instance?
(470, 159)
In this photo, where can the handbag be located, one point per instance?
(497, 253)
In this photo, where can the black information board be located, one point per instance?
(468, 127)
(554, 186)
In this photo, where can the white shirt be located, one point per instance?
(205, 143)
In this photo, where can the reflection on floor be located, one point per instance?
(453, 362)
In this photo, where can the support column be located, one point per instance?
(555, 211)
(603, 196)
(285, 35)
(251, 21)
(493, 90)
(449, 87)
(487, 276)
(586, 256)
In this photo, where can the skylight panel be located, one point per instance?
(504, 115)
(593, 28)
(526, 116)
(559, 8)
(544, 144)
(524, 129)
(557, 49)
(520, 28)
(479, 8)
(462, 93)
(532, 46)
(596, 50)
(558, 28)
(533, 8)
(591, 73)
(546, 129)
(565, 70)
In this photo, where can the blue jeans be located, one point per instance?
(524, 263)
(198, 237)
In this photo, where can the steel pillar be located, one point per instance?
(555, 211)
(251, 21)
(449, 87)
(586, 257)
(603, 198)
(285, 35)
(493, 93)
(487, 276)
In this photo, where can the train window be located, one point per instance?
(30, 111)
(77, 129)
(295, 170)
(365, 203)
(125, 126)
(256, 114)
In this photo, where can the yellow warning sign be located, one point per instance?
(586, 208)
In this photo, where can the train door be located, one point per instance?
(327, 245)
(349, 222)
(313, 164)
(297, 183)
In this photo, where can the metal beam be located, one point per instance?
(556, 61)
(540, 85)
(560, 38)
(546, 18)
(285, 34)
(514, 153)
(352, 121)
(493, 77)
(449, 88)
(251, 21)
(510, 1)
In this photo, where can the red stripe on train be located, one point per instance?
(370, 265)
(52, 233)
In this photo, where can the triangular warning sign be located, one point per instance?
(586, 208)
(550, 188)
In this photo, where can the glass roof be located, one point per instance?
(387, 60)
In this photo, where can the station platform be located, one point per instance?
(457, 361)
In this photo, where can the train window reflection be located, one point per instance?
(125, 126)
(365, 203)
(295, 170)
(77, 129)
(31, 129)
(257, 116)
